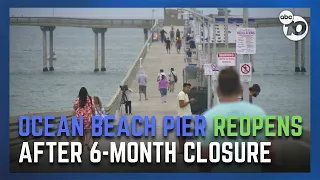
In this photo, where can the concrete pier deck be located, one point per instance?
(156, 59)
(294, 154)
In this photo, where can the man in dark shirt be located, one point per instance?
(162, 34)
(189, 53)
(168, 45)
(178, 44)
(178, 34)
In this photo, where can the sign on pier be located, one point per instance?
(245, 72)
(246, 41)
(211, 70)
(226, 59)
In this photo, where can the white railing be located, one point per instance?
(115, 101)
(80, 22)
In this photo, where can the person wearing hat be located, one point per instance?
(254, 91)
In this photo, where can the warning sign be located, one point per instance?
(245, 72)
(211, 70)
(226, 59)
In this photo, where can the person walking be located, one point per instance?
(178, 34)
(160, 75)
(127, 104)
(99, 110)
(172, 79)
(162, 35)
(163, 87)
(172, 35)
(184, 109)
(142, 81)
(178, 45)
(228, 89)
(168, 45)
(84, 107)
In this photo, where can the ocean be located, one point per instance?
(284, 92)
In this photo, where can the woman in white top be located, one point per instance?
(99, 111)
(160, 75)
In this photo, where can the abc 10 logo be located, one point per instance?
(294, 28)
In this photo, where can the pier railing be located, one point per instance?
(113, 105)
(81, 22)
(115, 101)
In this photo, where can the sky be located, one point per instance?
(140, 13)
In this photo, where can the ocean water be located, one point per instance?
(284, 92)
(32, 90)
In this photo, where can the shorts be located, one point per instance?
(142, 89)
(167, 47)
(172, 38)
(188, 121)
(163, 91)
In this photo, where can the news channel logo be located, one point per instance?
(294, 28)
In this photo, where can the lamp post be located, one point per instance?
(212, 20)
(246, 57)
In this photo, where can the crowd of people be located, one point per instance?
(229, 90)
(174, 37)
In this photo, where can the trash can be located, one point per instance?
(201, 96)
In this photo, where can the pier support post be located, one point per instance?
(44, 48)
(296, 56)
(44, 30)
(103, 61)
(51, 29)
(302, 56)
(96, 45)
(145, 31)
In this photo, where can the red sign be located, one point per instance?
(226, 59)
(245, 68)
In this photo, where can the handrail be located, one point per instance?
(113, 105)
(81, 22)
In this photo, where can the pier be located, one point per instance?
(98, 26)
(294, 154)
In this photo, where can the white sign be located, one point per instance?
(226, 59)
(203, 58)
(246, 41)
(245, 72)
(292, 22)
(211, 70)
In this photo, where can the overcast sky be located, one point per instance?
(138, 13)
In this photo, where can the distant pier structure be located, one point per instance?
(171, 17)
(98, 26)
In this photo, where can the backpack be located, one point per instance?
(174, 77)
